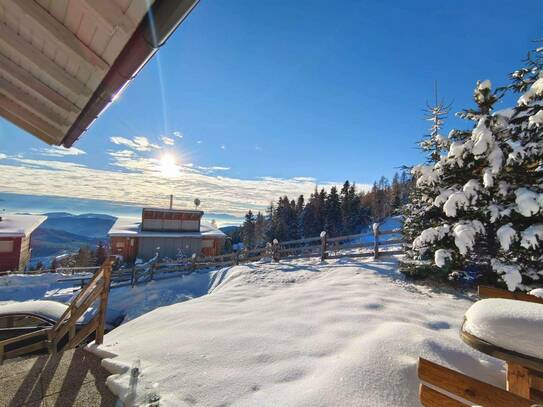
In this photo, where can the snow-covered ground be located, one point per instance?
(294, 333)
(130, 301)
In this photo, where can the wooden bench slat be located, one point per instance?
(432, 398)
(491, 292)
(467, 387)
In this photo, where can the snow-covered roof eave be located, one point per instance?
(129, 228)
(20, 225)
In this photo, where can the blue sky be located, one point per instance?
(270, 97)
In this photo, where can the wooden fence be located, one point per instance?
(321, 247)
(66, 333)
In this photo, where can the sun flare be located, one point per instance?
(168, 166)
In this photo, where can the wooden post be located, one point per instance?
(375, 241)
(133, 279)
(104, 295)
(324, 245)
(518, 380)
(193, 262)
(275, 250)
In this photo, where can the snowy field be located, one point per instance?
(296, 333)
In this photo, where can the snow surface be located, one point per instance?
(509, 324)
(19, 225)
(538, 292)
(127, 300)
(294, 333)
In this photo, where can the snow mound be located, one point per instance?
(509, 324)
(294, 333)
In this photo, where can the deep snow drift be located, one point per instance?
(296, 333)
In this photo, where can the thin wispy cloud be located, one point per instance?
(168, 141)
(60, 151)
(177, 134)
(138, 143)
(223, 147)
(133, 179)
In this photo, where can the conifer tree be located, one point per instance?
(248, 230)
(333, 213)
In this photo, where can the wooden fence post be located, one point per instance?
(375, 240)
(133, 279)
(104, 295)
(275, 250)
(324, 245)
(193, 261)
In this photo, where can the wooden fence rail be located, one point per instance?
(322, 246)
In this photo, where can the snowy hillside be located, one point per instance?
(345, 333)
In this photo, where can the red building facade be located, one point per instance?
(15, 240)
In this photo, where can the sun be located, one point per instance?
(168, 166)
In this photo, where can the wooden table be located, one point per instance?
(524, 373)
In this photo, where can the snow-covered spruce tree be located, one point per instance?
(461, 186)
(419, 213)
(519, 203)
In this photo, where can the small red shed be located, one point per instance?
(15, 235)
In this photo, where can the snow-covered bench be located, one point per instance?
(509, 327)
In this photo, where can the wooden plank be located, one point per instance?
(40, 61)
(26, 349)
(111, 15)
(76, 314)
(32, 104)
(8, 67)
(24, 337)
(77, 297)
(83, 333)
(491, 292)
(432, 398)
(16, 120)
(56, 32)
(53, 133)
(108, 264)
(467, 387)
(518, 380)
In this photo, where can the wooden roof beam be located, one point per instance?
(28, 81)
(110, 14)
(10, 39)
(56, 31)
(26, 119)
(31, 103)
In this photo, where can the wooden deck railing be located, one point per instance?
(65, 334)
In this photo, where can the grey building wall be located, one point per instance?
(169, 246)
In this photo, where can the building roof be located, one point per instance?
(174, 210)
(19, 225)
(63, 62)
(130, 227)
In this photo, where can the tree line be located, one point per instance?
(338, 212)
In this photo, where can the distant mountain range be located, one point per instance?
(63, 232)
